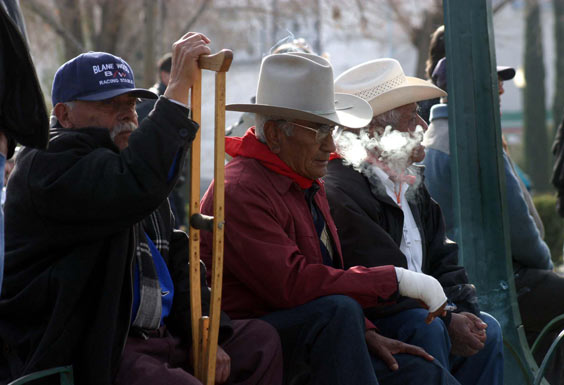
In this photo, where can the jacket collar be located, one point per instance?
(250, 147)
(100, 136)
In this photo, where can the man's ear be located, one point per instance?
(61, 111)
(272, 134)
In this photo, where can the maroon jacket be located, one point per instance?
(272, 256)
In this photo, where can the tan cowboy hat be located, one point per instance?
(300, 86)
(383, 84)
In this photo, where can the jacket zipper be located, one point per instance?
(131, 280)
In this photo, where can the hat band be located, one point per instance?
(371, 93)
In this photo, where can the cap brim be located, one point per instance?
(350, 111)
(415, 90)
(137, 92)
(505, 73)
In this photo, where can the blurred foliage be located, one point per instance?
(553, 225)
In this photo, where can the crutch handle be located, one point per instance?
(202, 222)
(218, 62)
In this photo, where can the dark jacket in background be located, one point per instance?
(23, 115)
(72, 219)
(370, 227)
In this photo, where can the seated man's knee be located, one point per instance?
(259, 330)
(340, 304)
(493, 331)
(419, 329)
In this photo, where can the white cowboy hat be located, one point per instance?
(383, 84)
(300, 86)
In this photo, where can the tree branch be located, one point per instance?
(48, 19)
(363, 19)
(409, 28)
(192, 21)
(500, 5)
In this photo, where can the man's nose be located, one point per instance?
(328, 144)
(128, 114)
(421, 122)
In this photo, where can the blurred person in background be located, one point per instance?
(540, 290)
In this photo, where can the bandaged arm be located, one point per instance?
(421, 286)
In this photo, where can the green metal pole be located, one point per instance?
(478, 174)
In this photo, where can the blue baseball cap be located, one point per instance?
(95, 76)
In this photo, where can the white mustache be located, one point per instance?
(122, 127)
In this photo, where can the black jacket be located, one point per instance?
(370, 227)
(145, 106)
(72, 215)
(23, 115)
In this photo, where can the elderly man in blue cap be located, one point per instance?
(95, 275)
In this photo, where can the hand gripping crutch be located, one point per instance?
(205, 330)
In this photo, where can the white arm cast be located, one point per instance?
(421, 286)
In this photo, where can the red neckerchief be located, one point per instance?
(334, 155)
(250, 147)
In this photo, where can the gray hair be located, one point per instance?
(260, 121)
(53, 121)
(388, 118)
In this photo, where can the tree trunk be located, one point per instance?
(70, 17)
(535, 136)
(432, 19)
(558, 102)
(318, 11)
(274, 26)
(149, 48)
(113, 12)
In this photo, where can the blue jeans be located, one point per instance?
(323, 343)
(2, 165)
(484, 367)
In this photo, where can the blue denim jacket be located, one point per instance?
(527, 246)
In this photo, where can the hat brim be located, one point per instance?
(136, 92)
(350, 111)
(414, 90)
(505, 73)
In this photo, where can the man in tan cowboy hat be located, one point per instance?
(385, 215)
(283, 259)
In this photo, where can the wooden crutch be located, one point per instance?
(205, 330)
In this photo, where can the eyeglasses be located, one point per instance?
(321, 132)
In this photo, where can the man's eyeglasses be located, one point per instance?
(321, 132)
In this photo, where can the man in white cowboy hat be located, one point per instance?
(283, 258)
(385, 216)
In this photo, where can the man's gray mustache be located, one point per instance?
(122, 127)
